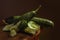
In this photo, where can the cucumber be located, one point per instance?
(27, 16)
(7, 27)
(13, 33)
(32, 27)
(11, 19)
(16, 17)
(43, 22)
(22, 25)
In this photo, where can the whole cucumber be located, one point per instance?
(43, 22)
(27, 16)
(11, 19)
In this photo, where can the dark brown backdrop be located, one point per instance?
(50, 10)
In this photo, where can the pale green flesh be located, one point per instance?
(32, 27)
(13, 33)
(12, 28)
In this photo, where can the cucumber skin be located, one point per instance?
(22, 25)
(12, 19)
(43, 22)
(40, 21)
(28, 16)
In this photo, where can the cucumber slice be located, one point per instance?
(32, 27)
(7, 27)
(13, 33)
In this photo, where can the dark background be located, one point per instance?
(50, 9)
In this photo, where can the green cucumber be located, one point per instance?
(43, 22)
(7, 27)
(12, 19)
(27, 16)
(22, 25)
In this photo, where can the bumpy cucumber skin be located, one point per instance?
(43, 22)
(9, 20)
(27, 16)
(23, 25)
(12, 19)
